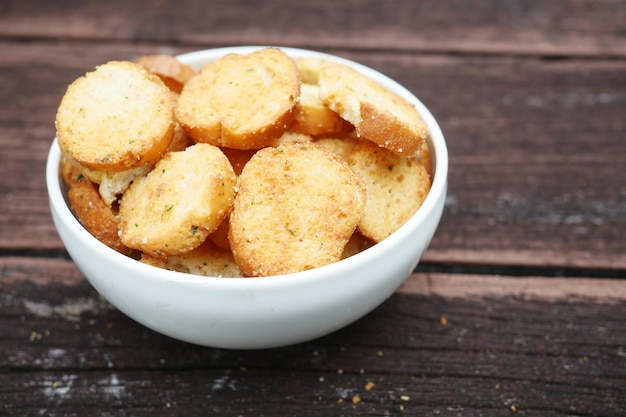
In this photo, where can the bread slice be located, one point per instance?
(343, 146)
(296, 208)
(205, 260)
(179, 203)
(241, 101)
(310, 68)
(94, 214)
(220, 236)
(396, 188)
(291, 137)
(313, 117)
(378, 114)
(116, 118)
(169, 69)
(110, 184)
(238, 157)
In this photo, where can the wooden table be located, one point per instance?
(519, 305)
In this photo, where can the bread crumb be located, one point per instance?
(443, 320)
(369, 386)
(356, 399)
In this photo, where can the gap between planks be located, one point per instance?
(544, 288)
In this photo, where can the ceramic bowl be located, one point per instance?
(254, 313)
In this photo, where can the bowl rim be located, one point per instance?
(439, 154)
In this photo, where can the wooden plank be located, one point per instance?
(550, 189)
(497, 343)
(583, 28)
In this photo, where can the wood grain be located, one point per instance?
(552, 200)
(552, 353)
(519, 305)
(567, 28)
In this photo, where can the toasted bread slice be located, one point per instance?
(310, 68)
(110, 184)
(396, 188)
(241, 101)
(180, 139)
(113, 184)
(377, 113)
(238, 157)
(206, 260)
(291, 137)
(179, 203)
(343, 146)
(116, 118)
(313, 117)
(296, 208)
(220, 236)
(71, 171)
(94, 214)
(169, 69)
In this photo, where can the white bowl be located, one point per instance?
(251, 313)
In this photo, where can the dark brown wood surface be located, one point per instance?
(519, 306)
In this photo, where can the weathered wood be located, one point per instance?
(67, 350)
(519, 307)
(565, 28)
(550, 189)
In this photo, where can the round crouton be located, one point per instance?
(296, 208)
(179, 203)
(396, 188)
(241, 101)
(169, 69)
(118, 117)
(378, 114)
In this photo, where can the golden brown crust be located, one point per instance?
(396, 188)
(110, 184)
(94, 214)
(205, 260)
(169, 69)
(220, 236)
(296, 208)
(71, 171)
(378, 114)
(238, 157)
(115, 118)
(241, 101)
(313, 117)
(179, 203)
